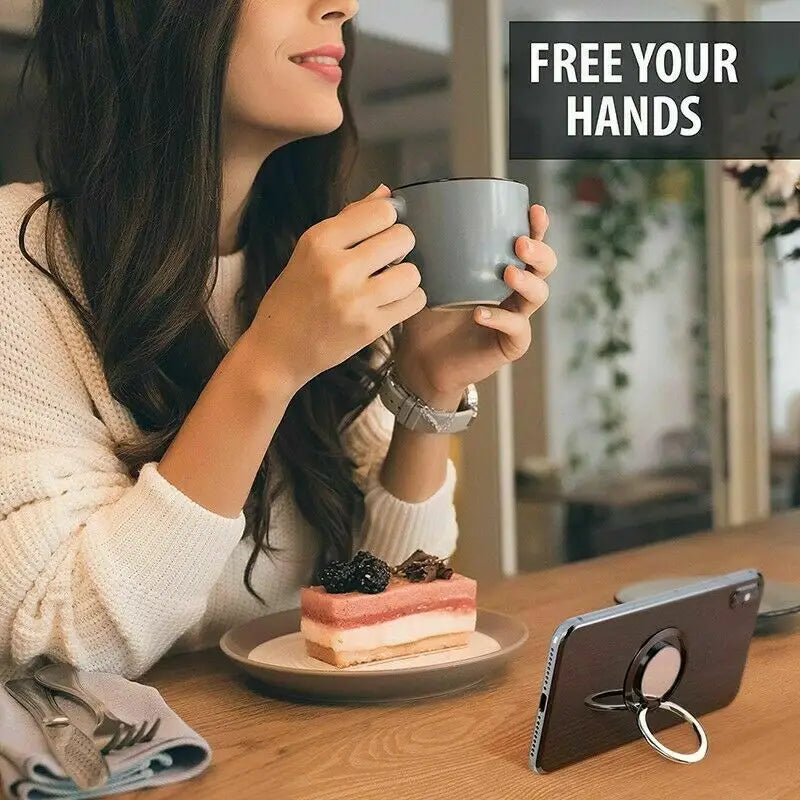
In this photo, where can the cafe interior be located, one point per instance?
(599, 460)
(702, 427)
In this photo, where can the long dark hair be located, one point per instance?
(129, 153)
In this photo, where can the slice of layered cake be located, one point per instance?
(366, 611)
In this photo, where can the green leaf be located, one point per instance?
(613, 347)
(575, 462)
(612, 293)
(617, 446)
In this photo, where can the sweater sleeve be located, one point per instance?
(96, 569)
(394, 528)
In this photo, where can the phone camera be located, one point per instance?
(742, 597)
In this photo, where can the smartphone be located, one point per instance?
(591, 653)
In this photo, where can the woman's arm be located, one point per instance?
(106, 572)
(216, 453)
(416, 463)
(437, 356)
(395, 526)
(98, 569)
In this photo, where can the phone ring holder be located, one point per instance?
(652, 676)
(659, 747)
(594, 701)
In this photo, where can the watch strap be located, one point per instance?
(413, 413)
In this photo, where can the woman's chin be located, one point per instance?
(321, 123)
(304, 127)
(314, 120)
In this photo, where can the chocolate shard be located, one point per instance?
(443, 571)
(422, 567)
(417, 555)
(421, 572)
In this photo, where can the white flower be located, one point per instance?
(787, 213)
(743, 165)
(783, 178)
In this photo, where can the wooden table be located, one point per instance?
(475, 745)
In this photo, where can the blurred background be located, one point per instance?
(662, 394)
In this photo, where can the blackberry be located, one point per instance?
(371, 575)
(337, 577)
(360, 557)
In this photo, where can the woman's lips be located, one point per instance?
(327, 68)
(323, 60)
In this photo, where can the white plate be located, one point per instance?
(272, 650)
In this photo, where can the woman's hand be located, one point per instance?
(440, 352)
(336, 295)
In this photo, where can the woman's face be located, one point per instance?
(283, 73)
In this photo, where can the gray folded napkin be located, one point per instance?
(29, 770)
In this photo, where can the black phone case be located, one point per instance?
(594, 656)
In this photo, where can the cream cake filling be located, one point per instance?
(405, 629)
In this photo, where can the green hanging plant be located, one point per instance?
(617, 201)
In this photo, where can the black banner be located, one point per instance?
(727, 90)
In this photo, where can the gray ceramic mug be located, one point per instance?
(465, 229)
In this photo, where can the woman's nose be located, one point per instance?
(340, 10)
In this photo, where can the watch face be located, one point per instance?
(472, 397)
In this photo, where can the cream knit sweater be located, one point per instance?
(111, 573)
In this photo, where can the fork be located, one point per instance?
(110, 732)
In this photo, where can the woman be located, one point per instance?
(195, 330)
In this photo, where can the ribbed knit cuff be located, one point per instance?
(157, 537)
(394, 528)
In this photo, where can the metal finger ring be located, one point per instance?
(672, 755)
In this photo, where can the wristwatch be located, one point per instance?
(413, 413)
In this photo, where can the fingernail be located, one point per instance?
(484, 313)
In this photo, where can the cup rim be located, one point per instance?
(464, 178)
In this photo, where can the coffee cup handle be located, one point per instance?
(399, 204)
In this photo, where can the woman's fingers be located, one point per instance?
(539, 220)
(393, 283)
(357, 222)
(530, 291)
(387, 247)
(380, 191)
(536, 254)
(400, 310)
(515, 326)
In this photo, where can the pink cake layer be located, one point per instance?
(400, 598)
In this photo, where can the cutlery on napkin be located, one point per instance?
(110, 732)
(28, 768)
(75, 752)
